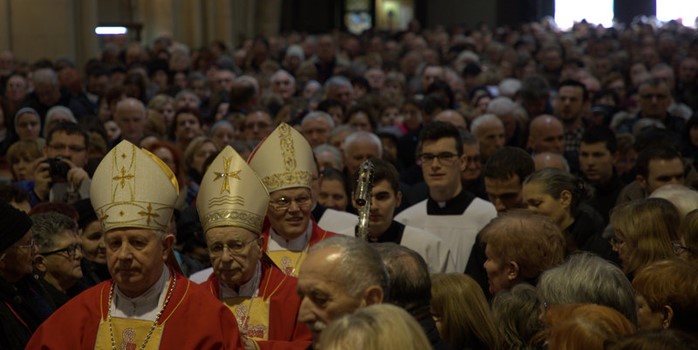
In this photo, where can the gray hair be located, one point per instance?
(509, 87)
(359, 267)
(45, 76)
(501, 106)
(317, 115)
(682, 197)
(336, 153)
(281, 72)
(185, 92)
(483, 119)
(410, 283)
(588, 279)
(358, 136)
(47, 226)
(336, 81)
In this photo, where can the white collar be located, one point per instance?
(145, 306)
(249, 289)
(298, 244)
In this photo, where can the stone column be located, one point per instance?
(268, 17)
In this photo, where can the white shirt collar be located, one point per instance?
(249, 289)
(298, 244)
(145, 306)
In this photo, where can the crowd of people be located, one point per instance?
(531, 188)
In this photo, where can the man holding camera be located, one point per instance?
(61, 177)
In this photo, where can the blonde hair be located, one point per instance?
(23, 150)
(648, 226)
(380, 326)
(532, 241)
(584, 326)
(194, 147)
(466, 320)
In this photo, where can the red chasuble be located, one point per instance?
(289, 263)
(192, 319)
(278, 290)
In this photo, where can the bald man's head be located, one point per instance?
(130, 116)
(453, 117)
(546, 135)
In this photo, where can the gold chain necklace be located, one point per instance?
(157, 317)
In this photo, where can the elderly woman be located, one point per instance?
(461, 312)
(667, 296)
(516, 314)
(644, 231)
(584, 326)
(557, 195)
(519, 247)
(223, 133)
(381, 326)
(58, 261)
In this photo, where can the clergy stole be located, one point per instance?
(128, 334)
(287, 261)
(252, 315)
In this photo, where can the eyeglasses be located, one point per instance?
(259, 125)
(679, 248)
(444, 158)
(473, 159)
(31, 245)
(651, 96)
(236, 248)
(284, 203)
(73, 148)
(71, 250)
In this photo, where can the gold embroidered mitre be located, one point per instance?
(231, 194)
(133, 188)
(283, 160)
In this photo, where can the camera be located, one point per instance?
(58, 169)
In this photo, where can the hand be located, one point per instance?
(42, 179)
(76, 175)
(249, 343)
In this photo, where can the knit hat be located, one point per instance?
(14, 224)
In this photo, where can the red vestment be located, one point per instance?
(291, 268)
(193, 319)
(284, 330)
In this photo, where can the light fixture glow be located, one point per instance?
(110, 30)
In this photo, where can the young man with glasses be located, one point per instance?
(262, 298)
(450, 212)
(19, 318)
(62, 177)
(57, 263)
(284, 163)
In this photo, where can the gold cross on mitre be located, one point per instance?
(149, 214)
(226, 174)
(123, 177)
